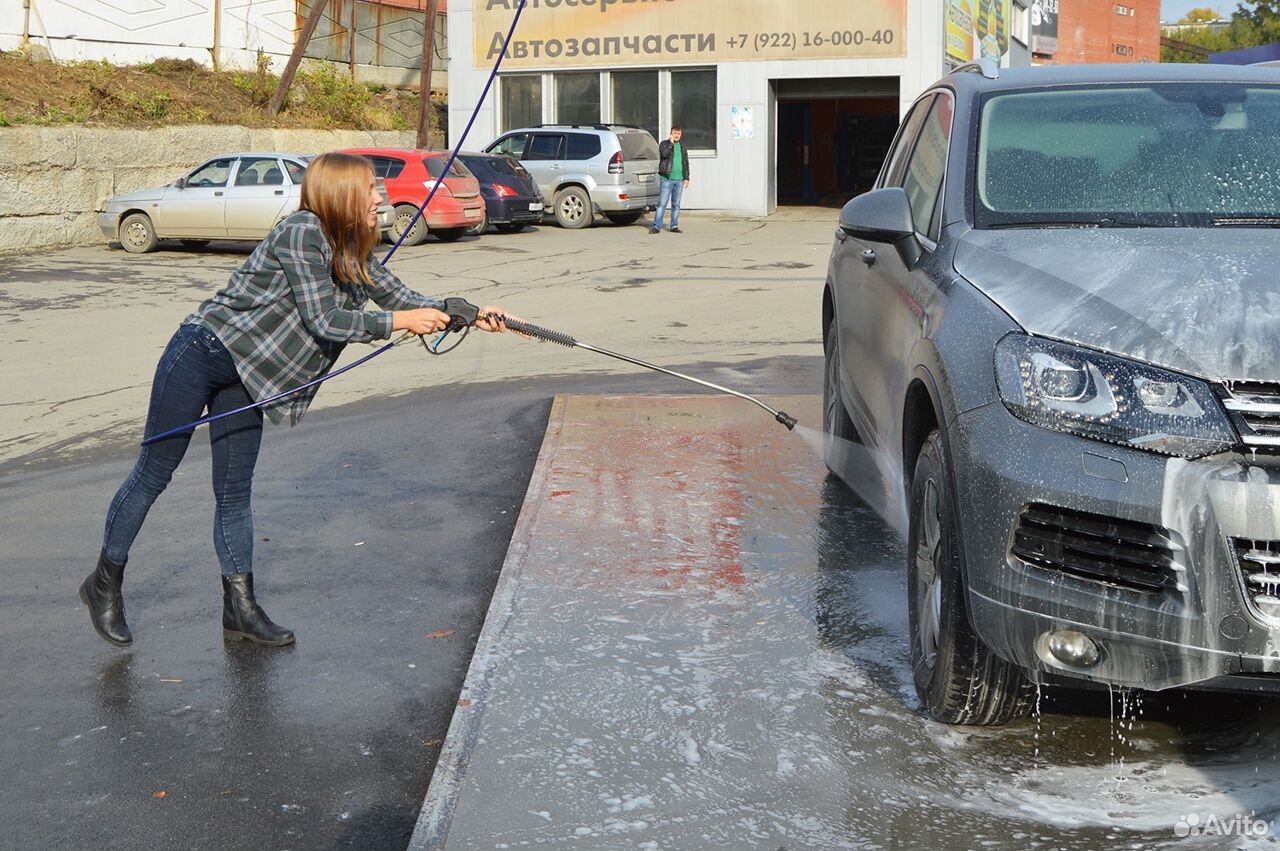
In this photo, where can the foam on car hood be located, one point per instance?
(1197, 300)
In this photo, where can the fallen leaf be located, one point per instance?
(440, 633)
(464, 702)
(162, 794)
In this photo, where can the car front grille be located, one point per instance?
(1123, 553)
(1255, 408)
(1260, 566)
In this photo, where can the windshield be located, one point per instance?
(1172, 155)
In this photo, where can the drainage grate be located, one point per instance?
(1260, 566)
(1137, 556)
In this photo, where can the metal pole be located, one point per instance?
(351, 48)
(217, 33)
(26, 26)
(428, 59)
(286, 79)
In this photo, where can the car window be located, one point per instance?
(435, 167)
(897, 159)
(259, 171)
(582, 146)
(546, 146)
(295, 170)
(213, 173)
(1153, 155)
(638, 146)
(512, 145)
(923, 178)
(386, 167)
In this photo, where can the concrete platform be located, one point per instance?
(651, 673)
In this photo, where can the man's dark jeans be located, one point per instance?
(195, 373)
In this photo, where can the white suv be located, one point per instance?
(584, 169)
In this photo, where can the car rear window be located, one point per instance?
(435, 167)
(582, 146)
(638, 145)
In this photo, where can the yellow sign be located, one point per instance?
(559, 33)
(978, 29)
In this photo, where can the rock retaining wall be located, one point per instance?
(54, 180)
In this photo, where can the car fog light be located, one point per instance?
(1073, 648)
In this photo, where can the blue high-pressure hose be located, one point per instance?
(405, 232)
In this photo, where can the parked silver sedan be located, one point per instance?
(236, 196)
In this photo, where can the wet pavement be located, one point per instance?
(699, 641)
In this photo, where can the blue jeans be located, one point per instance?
(669, 191)
(195, 372)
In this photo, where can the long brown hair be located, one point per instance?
(336, 188)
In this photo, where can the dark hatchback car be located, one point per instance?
(512, 200)
(1055, 322)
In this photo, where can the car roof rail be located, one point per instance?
(573, 126)
(986, 66)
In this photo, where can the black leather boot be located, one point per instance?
(101, 593)
(242, 617)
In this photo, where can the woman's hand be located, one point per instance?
(420, 321)
(495, 318)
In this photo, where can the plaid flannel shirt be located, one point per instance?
(285, 320)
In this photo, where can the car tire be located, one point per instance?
(449, 234)
(510, 227)
(838, 429)
(479, 227)
(573, 208)
(137, 234)
(958, 678)
(625, 218)
(195, 243)
(404, 214)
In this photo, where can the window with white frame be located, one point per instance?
(521, 100)
(634, 99)
(578, 98)
(652, 99)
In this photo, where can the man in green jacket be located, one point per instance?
(673, 179)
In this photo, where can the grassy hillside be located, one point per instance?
(174, 91)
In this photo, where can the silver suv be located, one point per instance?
(584, 169)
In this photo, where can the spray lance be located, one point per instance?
(462, 316)
(462, 311)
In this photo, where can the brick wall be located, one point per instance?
(1107, 31)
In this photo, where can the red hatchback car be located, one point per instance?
(409, 175)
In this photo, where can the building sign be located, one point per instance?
(978, 29)
(559, 33)
(1044, 26)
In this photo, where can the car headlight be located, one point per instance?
(1077, 390)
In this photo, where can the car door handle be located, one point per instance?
(218, 194)
(555, 168)
(869, 256)
(279, 192)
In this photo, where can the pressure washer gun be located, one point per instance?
(463, 314)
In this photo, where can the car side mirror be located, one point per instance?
(883, 215)
(181, 183)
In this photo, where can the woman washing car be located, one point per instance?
(281, 321)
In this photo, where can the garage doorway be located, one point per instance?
(832, 137)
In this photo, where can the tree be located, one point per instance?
(1202, 15)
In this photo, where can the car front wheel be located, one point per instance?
(573, 208)
(959, 680)
(403, 215)
(137, 234)
(838, 427)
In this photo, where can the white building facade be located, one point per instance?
(781, 101)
